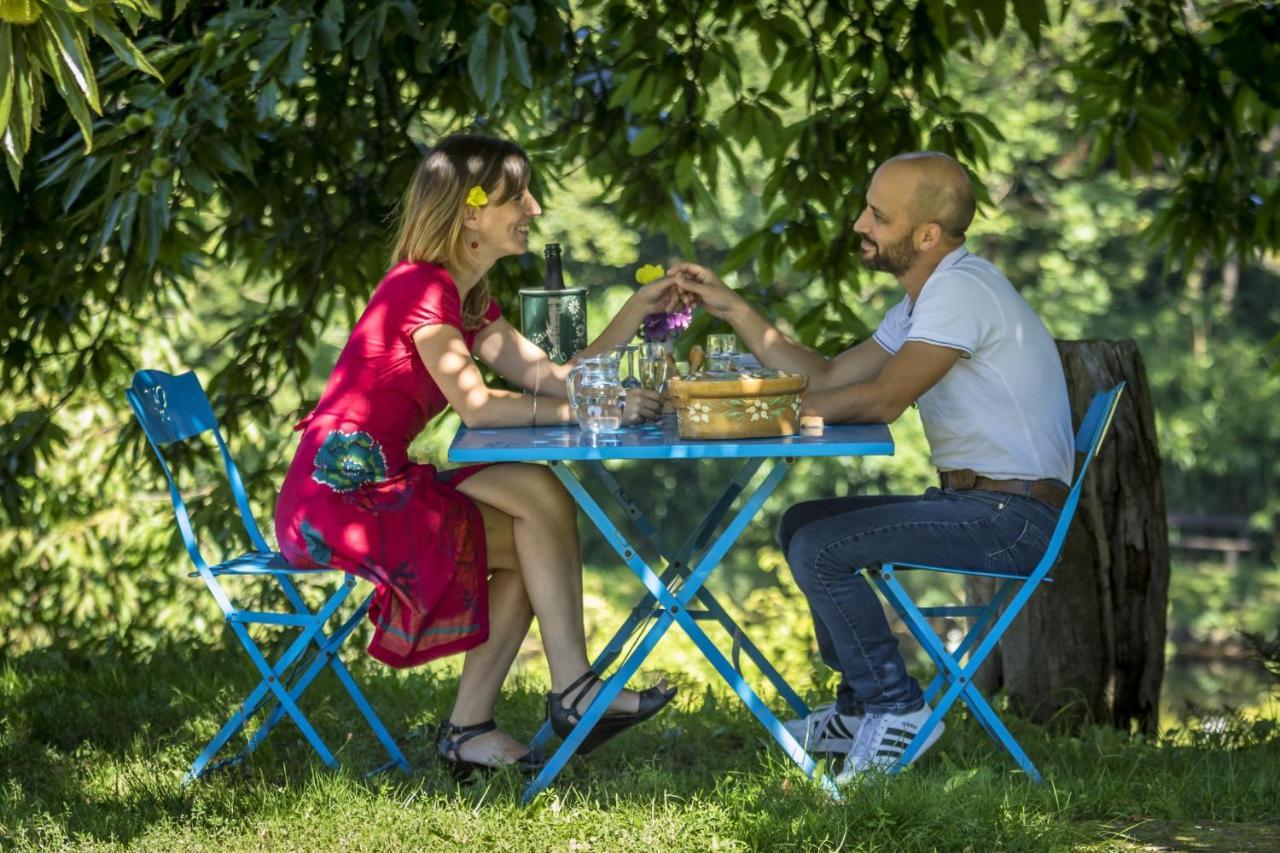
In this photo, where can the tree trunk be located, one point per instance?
(1090, 646)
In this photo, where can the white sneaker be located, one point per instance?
(825, 729)
(881, 740)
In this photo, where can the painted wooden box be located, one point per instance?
(749, 405)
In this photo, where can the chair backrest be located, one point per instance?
(1093, 429)
(174, 409)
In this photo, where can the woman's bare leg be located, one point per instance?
(485, 667)
(545, 533)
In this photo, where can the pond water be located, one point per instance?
(1196, 686)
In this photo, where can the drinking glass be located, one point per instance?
(631, 381)
(721, 350)
(654, 366)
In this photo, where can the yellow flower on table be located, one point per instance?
(758, 410)
(476, 197)
(648, 273)
(699, 412)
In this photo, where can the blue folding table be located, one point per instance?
(681, 584)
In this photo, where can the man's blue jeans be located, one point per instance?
(827, 541)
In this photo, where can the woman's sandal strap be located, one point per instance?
(458, 735)
(582, 685)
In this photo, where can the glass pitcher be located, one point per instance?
(596, 393)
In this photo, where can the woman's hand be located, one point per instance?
(642, 405)
(704, 285)
(660, 295)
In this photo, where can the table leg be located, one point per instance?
(676, 563)
(679, 560)
(674, 608)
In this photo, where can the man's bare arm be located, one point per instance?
(915, 369)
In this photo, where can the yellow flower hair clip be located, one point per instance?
(648, 273)
(476, 197)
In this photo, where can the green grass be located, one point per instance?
(93, 745)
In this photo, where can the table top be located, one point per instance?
(658, 441)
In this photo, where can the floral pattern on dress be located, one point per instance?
(348, 460)
(317, 549)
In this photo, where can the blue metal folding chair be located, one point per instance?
(986, 627)
(174, 409)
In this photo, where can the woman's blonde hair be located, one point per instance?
(432, 210)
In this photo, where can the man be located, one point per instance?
(993, 399)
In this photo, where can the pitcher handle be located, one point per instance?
(573, 394)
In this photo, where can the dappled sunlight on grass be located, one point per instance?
(93, 749)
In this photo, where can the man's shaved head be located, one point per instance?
(942, 193)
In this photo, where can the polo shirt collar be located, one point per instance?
(950, 259)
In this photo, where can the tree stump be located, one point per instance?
(1090, 646)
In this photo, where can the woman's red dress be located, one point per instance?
(352, 499)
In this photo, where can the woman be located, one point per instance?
(462, 559)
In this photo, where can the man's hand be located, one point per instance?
(641, 406)
(660, 295)
(707, 287)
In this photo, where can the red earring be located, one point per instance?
(475, 245)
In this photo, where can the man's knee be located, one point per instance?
(815, 554)
(802, 550)
(792, 520)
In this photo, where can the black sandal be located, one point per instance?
(450, 737)
(564, 718)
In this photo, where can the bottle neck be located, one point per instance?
(554, 279)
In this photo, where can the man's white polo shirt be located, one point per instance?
(1002, 410)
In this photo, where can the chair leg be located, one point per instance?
(330, 646)
(228, 731)
(282, 696)
(958, 678)
(271, 682)
(984, 713)
(327, 654)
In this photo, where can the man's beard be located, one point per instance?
(895, 258)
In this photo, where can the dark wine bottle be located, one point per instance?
(555, 273)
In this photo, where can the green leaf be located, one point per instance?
(1032, 14)
(154, 224)
(295, 67)
(519, 56)
(225, 155)
(993, 14)
(68, 37)
(70, 92)
(329, 26)
(411, 24)
(740, 254)
(126, 220)
(646, 140)
(495, 68)
(120, 44)
(11, 161)
(525, 17)
(477, 60)
(198, 179)
(6, 74)
(265, 107)
(91, 167)
(625, 90)
(109, 225)
(363, 36)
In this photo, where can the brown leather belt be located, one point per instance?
(1051, 492)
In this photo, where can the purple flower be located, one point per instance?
(661, 326)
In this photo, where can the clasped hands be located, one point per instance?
(685, 285)
(688, 285)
